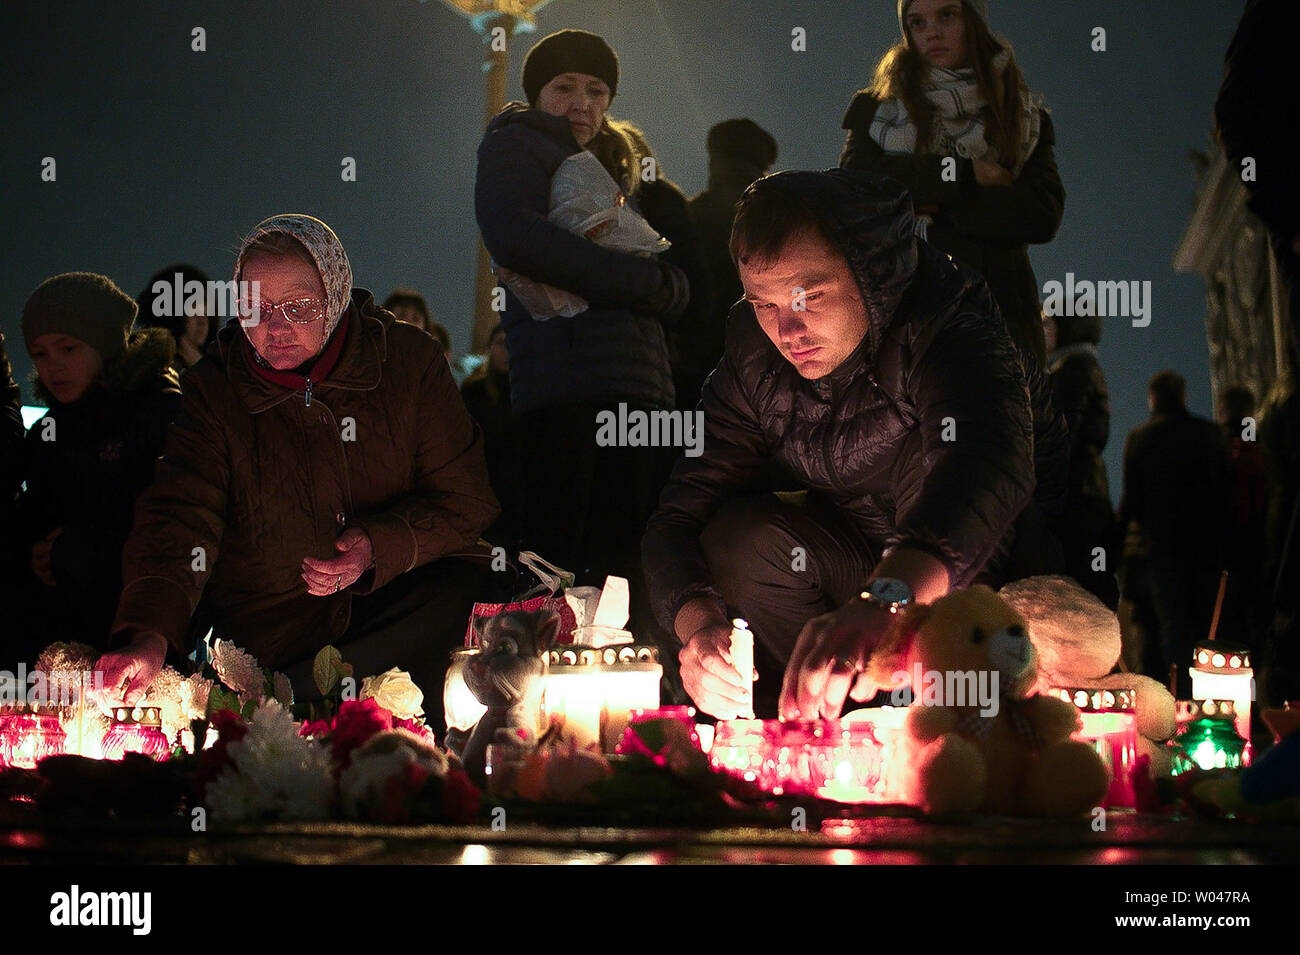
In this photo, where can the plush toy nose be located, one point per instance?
(1011, 652)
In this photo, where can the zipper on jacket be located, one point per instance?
(308, 393)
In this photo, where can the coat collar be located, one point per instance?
(359, 367)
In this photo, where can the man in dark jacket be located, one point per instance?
(1175, 495)
(878, 375)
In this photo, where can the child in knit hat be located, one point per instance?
(111, 396)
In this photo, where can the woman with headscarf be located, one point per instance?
(583, 506)
(950, 116)
(319, 481)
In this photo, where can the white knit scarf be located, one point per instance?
(958, 129)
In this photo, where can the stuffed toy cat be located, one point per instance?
(506, 677)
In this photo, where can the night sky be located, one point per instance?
(164, 154)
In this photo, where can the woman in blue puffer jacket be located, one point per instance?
(584, 506)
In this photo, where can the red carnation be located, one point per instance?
(355, 722)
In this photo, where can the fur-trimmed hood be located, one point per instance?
(144, 365)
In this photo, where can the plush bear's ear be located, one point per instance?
(890, 657)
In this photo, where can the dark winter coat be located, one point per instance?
(869, 435)
(253, 479)
(11, 432)
(713, 212)
(986, 227)
(488, 401)
(86, 464)
(1176, 469)
(665, 207)
(609, 352)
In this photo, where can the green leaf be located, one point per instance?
(326, 669)
(222, 699)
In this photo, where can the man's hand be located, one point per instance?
(709, 675)
(42, 557)
(129, 671)
(828, 660)
(991, 174)
(324, 577)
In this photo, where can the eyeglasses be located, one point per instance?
(299, 311)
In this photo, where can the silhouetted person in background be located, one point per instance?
(193, 330)
(1243, 611)
(1080, 390)
(409, 306)
(740, 151)
(1175, 493)
(487, 397)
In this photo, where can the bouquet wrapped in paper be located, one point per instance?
(585, 200)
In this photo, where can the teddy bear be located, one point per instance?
(975, 739)
(1079, 644)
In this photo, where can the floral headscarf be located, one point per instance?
(326, 251)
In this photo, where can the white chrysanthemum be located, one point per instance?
(165, 693)
(193, 694)
(274, 771)
(238, 670)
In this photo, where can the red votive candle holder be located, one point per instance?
(1110, 726)
(29, 732)
(136, 729)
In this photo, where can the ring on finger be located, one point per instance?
(847, 665)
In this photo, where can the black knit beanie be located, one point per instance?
(83, 305)
(568, 51)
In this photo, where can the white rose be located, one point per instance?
(395, 692)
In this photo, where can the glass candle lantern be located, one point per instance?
(596, 689)
(29, 732)
(136, 729)
(460, 706)
(826, 758)
(1221, 671)
(1109, 725)
(888, 727)
(1207, 737)
(741, 748)
(845, 763)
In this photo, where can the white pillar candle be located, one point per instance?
(742, 657)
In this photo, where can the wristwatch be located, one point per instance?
(890, 593)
